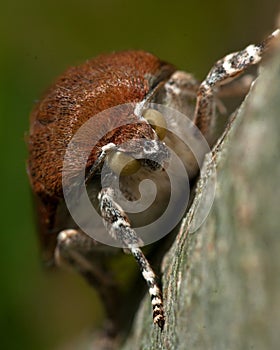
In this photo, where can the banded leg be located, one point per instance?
(118, 226)
(223, 72)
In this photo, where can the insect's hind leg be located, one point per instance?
(77, 250)
(225, 70)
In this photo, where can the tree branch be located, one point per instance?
(221, 284)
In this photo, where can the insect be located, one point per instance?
(82, 93)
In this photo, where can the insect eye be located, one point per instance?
(157, 121)
(122, 163)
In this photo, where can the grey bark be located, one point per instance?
(221, 284)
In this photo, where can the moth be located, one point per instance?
(131, 79)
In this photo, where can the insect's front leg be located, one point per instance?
(225, 70)
(118, 226)
(80, 252)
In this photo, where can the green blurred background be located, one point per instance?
(39, 40)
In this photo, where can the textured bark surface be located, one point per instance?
(221, 284)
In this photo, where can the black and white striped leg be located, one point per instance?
(225, 70)
(118, 226)
(154, 290)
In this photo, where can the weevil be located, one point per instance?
(83, 92)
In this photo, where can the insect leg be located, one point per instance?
(225, 70)
(79, 251)
(180, 92)
(118, 226)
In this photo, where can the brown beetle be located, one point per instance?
(80, 94)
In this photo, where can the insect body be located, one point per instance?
(84, 92)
